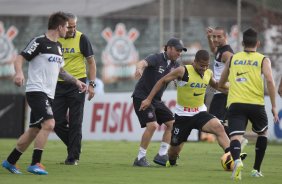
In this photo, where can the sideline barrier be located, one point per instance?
(111, 117)
(12, 111)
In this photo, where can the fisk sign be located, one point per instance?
(111, 117)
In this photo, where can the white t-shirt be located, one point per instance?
(45, 60)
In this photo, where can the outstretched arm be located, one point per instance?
(140, 67)
(209, 33)
(214, 84)
(267, 72)
(224, 75)
(92, 76)
(19, 76)
(69, 78)
(175, 74)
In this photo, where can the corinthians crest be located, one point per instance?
(7, 51)
(120, 55)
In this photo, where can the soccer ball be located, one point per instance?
(227, 162)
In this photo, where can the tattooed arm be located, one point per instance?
(69, 78)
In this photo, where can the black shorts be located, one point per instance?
(218, 106)
(157, 111)
(183, 126)
(40, 105)
(239, 114)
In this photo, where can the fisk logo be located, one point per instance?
(32, 47)
(7, 51)
(120, 55)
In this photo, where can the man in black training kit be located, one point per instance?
(222, 52)
(69, 101)
(151, 69)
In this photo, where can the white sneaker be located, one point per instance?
(244, 143)
(238, 167)
(255, 173)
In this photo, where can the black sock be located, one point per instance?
(36, 156)
(261, 145)
(235, 149)
(227, 150)
(14, 156)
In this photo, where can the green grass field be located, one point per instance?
(111, 163)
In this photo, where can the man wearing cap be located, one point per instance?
(190, 110)
(149, 71)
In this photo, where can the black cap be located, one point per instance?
(178, 44)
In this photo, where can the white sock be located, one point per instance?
(142, 153)
(163, 148)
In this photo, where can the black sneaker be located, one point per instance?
(161, 160)
(71, 162)
(243, 156)
(141, 163)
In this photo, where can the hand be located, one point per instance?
(91, 92)
(275, 115)
(209, 31)
(145, 104)
(19, 79)
(138, 73)
(81, 85)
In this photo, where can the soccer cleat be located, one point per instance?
(141, 163)
(162, 160)
(38, 169)
(238, 167)
(255, 173)
(243, 156)
(10, 167)
(171, 163)
(244, 143)
(71, 162)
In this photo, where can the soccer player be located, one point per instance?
(69, 101)
(151, 69)
(222, 52)
(245, 72)
(45, 64)
(190, 111)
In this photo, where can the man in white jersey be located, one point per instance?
(45, 64)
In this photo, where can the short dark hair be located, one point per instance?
(57, 19)
(202, 55)
(250, 37)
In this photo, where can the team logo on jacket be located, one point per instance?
(161, 69)
(120, 55)
(7, 50)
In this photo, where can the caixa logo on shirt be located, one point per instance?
(55, 59)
